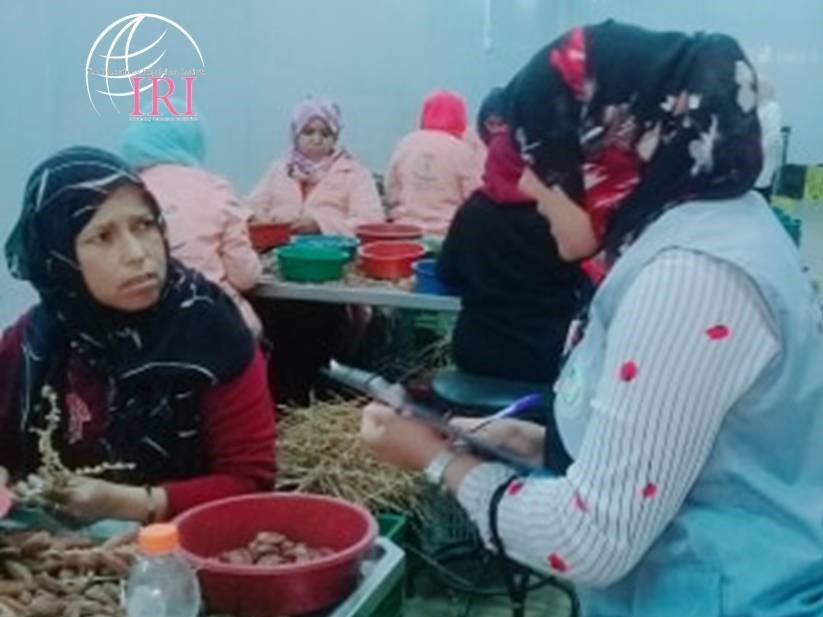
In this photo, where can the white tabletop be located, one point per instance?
(270, 286)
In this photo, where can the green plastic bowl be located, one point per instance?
(392, 525)
(311, 264)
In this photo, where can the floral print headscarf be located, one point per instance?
(631, 122)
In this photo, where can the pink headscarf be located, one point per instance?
(300, 166)
(444, 111)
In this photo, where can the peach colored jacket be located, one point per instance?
(431, 174)
(343, 199)
(207, 229)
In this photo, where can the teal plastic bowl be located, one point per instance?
(311, 264)
(344, 243)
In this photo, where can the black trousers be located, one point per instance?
(303, 337)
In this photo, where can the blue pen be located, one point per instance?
(519, 406)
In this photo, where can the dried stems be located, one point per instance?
(319, 451)
(53, 475)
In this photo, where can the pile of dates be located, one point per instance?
(270, 548)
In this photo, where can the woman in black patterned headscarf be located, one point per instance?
(624, 124)
(136, 346)
(691, 403)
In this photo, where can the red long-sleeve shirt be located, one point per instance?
(237, 432)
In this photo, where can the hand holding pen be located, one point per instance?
(519, 406)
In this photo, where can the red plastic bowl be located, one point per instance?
(290, 589)
(391, 259)
(265, 236)
(374, 232)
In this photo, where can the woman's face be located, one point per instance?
(495, 125)
(121, 252)
(316, 140)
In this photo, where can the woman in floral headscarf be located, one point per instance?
(151, 363)
(318, 187)
(691, 404)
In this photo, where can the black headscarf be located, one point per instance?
(156, 362)
(630, 122)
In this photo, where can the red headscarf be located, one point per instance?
(444, 111)
(504, 166)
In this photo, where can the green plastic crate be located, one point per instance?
(392, 604)
(393, 526)
(380, 592)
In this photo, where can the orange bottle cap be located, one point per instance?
(158, 539)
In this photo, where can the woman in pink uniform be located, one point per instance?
(206, 224)
(319, 187)
(433, 170)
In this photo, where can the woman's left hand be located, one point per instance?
(86, 500)
(399, 440)
(305, 225)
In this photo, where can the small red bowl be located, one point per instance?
(289, 589)
(265, 236)
(375, 232)
(390, 259)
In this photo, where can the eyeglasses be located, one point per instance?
(310, 132)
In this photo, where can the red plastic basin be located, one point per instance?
(290, 589)
(265, 236)
(390, 259)
(374, 232)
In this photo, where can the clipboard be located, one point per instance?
(395, 396)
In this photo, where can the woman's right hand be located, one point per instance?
(570, 224)
(520, 436)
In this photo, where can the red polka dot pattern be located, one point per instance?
(558, 563)
(628, 371)
(718, 332)
(515, 487)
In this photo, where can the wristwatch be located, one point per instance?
(436, 469)
(151, 506)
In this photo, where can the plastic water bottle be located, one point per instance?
(161, 583)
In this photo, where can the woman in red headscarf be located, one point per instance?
(433, 170)
(518, 295)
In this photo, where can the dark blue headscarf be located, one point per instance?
(156, 362)
(493, 105)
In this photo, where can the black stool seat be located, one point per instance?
(483, 394)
